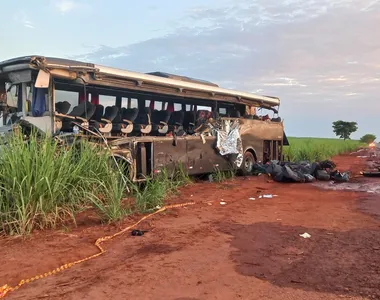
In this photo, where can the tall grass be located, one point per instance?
(220, 176)
(317, 149)
(153, 192)
(43, 184)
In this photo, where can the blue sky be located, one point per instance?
(321, 57)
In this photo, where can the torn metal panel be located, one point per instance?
(229, 140)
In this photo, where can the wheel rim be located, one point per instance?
(248, 164)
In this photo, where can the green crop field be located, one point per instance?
(316, 149)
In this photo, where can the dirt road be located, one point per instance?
(245, 249)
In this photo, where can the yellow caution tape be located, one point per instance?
(5, 289)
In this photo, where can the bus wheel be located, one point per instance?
(248, 162)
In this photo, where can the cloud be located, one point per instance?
(22, 18)
(28, 24)
(64, 6)
(312, 54)
(370, 5)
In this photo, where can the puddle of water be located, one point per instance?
(366, 187)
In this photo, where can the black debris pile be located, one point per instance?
(302, 172)
(374, 171)
(137, 232)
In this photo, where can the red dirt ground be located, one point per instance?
(246, 249)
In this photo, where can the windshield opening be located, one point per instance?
(22, 100)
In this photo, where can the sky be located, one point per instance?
(320, 57)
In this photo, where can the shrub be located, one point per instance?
(368, 138)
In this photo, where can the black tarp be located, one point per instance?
(302, 172)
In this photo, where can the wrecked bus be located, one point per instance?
(150, 121)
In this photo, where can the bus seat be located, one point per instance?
(123, 122)
(128, 116)
(189, 122)
(176, 122)
(234, 113)
(143, 123)
(160, 119)
(81, 113)
(99, 111)
(62, 107)
(95, 120)
(117, 121)
(110, 114)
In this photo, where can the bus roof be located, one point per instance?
(157, 82)
(183, 78)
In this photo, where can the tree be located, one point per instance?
(344, 129)
(368, 138)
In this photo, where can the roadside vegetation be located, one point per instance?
(317, 149)
(368, 138)
(220, 176)
(43, 185)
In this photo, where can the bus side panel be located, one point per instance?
(167, 156)
(250, 142)
(255, 132)
(203, 157)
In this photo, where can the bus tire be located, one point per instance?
(248, 163)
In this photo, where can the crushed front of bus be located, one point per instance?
(21, 102)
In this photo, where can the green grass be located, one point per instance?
(43, 184)
(317, 149)
(152, 193)
(220, 176)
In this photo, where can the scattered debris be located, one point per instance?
(210, 178)
(223, 203)
(268, 196)
(136, 232)
(252, 199)
(305, 235)
(340, 177)
(371, 173)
